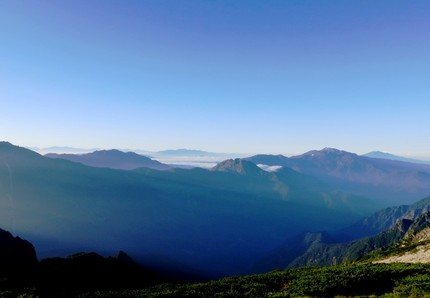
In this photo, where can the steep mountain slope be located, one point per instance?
(390, 182)
(113, 159)
(382, 229)
(416, 251)
(214, 222)
(414, 245)
(321, 252)
(385, 219)
(405, 241)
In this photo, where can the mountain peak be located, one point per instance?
(331, 150)
(270, 160)
(115, 153)
(237, 165)
(6, 146)
(8, 150)
(327, 151)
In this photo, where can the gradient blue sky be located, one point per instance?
(224, 76)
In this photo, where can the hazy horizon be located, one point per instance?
(173, 155)
(278, 77)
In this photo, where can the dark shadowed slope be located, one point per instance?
(323, 253)
(83, 272)
(389, 181)
(17, 257)
(113, 159)
(20, 271)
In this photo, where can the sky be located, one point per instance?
(281, 77)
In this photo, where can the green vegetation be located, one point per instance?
(388, 280)
(408, 244)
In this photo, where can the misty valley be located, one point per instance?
(81, 224)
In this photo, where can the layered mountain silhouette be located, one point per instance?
(390, 182)
(212, 222)
(113, 159)
(215, 221)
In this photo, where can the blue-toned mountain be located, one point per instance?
(113, 159)
(389, 182)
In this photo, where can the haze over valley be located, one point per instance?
(205, 222)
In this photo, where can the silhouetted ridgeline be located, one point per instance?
(17, 258)
(54, 277)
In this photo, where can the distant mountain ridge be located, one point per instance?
(184, 152)
(390, 181)
(384, 155)
(113, 159)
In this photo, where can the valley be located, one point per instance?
(199, 224)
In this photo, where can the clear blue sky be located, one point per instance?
(224, 76)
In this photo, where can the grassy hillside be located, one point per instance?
(390, 280)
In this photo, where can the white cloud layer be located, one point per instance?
(268, 168)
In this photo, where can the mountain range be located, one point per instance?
(389, 182)
(211, 223)
(113, 159)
